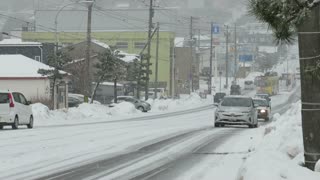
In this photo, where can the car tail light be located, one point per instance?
(11, 101)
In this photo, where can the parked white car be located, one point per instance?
(15, 110)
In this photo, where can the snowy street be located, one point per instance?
(145, 147)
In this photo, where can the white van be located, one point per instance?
(15, 110)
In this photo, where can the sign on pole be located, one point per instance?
(245, 58)
(215, 29)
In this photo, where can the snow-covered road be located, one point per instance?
(27, 154)
(140, 148)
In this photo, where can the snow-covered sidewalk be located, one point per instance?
(279, 154)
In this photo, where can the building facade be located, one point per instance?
(32, 50)
(128, 41)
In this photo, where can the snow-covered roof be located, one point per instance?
(102, 44)
(178, 41)
(202, 37)
(18, 42)
(19, 66)
(109, 84)
(128, 57)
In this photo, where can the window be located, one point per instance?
(23, 99)
(37, 58)
(4, 98)
(237, 102)
(16, 97)
(139, 45)
(122, 45)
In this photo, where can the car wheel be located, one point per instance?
(1, 127)
(30, 125)
(251, 126)
(141, 109)
(15, 124)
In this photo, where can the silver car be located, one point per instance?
(236, 110)
(140, 105)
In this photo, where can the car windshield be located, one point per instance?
(260, 102)
(237, 102)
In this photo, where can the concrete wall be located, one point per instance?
(31, 88)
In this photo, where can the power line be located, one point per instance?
(42, 27)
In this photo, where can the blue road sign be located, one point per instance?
(215, 29)
(245, 58)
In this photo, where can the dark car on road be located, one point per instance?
(218, 97)
(235, 89)
(263, 108)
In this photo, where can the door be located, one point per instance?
(26, 111)
(18, 107)
(4, 104)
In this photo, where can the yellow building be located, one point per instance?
(128, 41)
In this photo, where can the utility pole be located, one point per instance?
(192, 53)
(210, 70)
(227, 55)
(149, 48)
(157, 63)
(88, 49)
(309, 49)
(235, 53)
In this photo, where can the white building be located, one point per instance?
(20, 73)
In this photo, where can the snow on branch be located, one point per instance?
(314, 3)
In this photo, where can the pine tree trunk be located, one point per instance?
(115, 91)
(93, 95)
(53, 93)
(309, 50)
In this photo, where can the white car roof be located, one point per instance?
(261, 99)
(238, 96)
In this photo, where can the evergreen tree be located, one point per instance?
(57, 62)
(110, 67)
(283, 16)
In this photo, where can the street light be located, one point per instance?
(87, 2)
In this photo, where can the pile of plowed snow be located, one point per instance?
(280, 153)
(96, 112)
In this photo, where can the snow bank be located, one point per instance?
(96, 112)
(84, 113)
(185, 102)
(317, 168)
(280, 153)
(123, 108)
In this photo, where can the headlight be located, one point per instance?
(263, 111)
